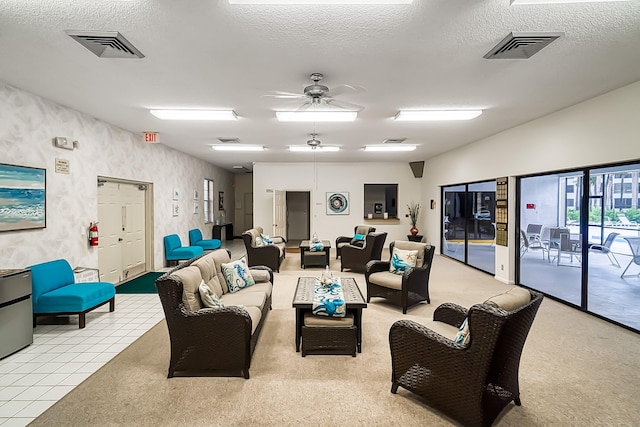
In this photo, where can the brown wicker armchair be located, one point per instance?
(356, 258)
(470, 383)
(342, 241)
(404, 290)
(269, 255)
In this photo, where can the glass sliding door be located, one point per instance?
(550, 258)
(614, 227)
(580, 239)
(468, 228)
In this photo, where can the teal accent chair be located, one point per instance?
(195, 239)
(174, 251)
(54, 292)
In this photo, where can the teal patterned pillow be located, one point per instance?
(237, 275)
(402, 259)
(463, 337)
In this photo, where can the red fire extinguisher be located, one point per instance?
(93, 234)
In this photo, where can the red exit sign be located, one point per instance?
(151, 137)
(531, 206)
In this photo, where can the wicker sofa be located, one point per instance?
(270, 255)
(213, 339)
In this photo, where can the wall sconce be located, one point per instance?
(66, 143)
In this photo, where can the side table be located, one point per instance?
(416, 238)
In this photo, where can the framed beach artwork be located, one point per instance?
(22, 197)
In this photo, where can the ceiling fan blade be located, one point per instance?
(286, 95)
(346, 89)
(342, 104)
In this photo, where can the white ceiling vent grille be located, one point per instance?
(394, 140)
(229, 140)
(521, 45)
(106, 44)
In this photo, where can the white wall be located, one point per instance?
(605, 129)
(28, 124)
(332, 177)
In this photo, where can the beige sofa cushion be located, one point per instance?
(259, 275)
(207, 267)
(409, 246)
(256, 315)
(264, 287)
(248, 299)
(191, 279)
(387, 279)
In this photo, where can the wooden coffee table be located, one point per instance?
(305, 247)
(303, 302)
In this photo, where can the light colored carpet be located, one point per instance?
(576, 370)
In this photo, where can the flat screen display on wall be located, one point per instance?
(22, 197)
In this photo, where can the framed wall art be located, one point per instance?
(22, 197)
(220, 200)
(337, 203)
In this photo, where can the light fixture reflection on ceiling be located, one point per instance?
(429, 115)
(320, 1)
(195, 114)
(519, 2)
(237, 147)
(316, 116)
(325, 148)
(390, 147)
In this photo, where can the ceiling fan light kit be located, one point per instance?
(237, 147)
(316, 116)
(195, 114)
(389, 147)
(434, 115)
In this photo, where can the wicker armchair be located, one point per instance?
(470, 383)
(342, 241)
(269, 255)
(356, 258)
(404, 290)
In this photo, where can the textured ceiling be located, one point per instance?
(209, 54)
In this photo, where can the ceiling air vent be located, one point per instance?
(521, 45)
(106, 44)
(393, 140)
(228, 140)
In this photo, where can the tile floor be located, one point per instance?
(62, 356)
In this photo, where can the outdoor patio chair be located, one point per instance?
(624, 221)
(605, 248)
(533, 234)
(634, 244)
(570, 247)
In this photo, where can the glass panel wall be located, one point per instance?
(469, 224)
(586, 257)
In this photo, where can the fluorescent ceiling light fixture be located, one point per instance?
(320, 1)
(518, 2)
(195, 114)
(237, 147)
(316, 116)
(429, 115)
(325, 148)
(390, 147)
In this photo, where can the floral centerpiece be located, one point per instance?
(414, 211)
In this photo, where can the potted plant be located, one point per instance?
(414, 211)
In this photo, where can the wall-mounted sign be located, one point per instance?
(151, 137)
(62, 165)
(531, 206)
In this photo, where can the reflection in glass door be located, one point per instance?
(468, 232)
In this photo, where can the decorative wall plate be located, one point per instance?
(338, 203)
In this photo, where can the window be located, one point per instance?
(208, 200)
(380, 199)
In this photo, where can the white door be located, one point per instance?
(121, 231)
(279, 213)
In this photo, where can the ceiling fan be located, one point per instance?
(318, 95)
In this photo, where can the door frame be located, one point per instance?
(148, 219)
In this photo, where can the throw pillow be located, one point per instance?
(209, 298)
(266, 240)
(511, 300)
(259, 242)
(402, 259)
(237, 275)
(358, 240)
(463, 337)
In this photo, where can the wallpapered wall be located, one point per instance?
(28, 124)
